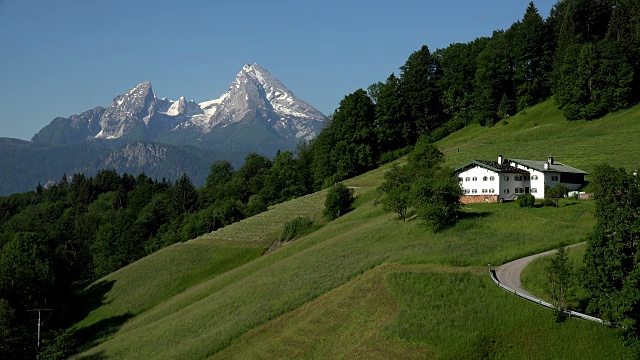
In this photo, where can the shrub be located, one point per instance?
(393, 155)
(526, 200)
(555, 193)
(338, 202)
(255, 205)
(295, 228)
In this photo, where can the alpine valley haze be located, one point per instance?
(140, 132)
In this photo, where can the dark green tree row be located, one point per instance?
(585, 54)
(596, 66)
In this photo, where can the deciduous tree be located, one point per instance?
(559, 277)
(554, 194)
(395, 191)
(355, 148)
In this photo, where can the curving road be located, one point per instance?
(509, 273)
(508, 277)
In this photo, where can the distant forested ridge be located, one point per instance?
(25, 164)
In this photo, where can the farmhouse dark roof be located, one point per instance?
(555, 167)
(493, 166)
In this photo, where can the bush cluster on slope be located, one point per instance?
(423, 186)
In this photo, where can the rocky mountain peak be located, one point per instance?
(255, 90)
(127, 111)
(136, 97)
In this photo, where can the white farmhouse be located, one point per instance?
(505, 179)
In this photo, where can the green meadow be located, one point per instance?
(539, 131)
(367, 285)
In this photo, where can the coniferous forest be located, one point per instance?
(56, 240)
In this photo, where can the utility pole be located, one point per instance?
(39, 321)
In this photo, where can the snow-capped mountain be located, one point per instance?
(140, 115)
(255, 89)
(127, 112)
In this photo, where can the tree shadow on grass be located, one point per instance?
(94, 296)
(91, 299)
(462, 215)
(569, 203)
(94, 334)
(97, 356)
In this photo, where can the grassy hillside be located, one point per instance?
(365, 285)
(541, 130)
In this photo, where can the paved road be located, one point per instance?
(509, 273)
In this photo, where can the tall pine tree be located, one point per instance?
(494, 78)
(458, 66)
(419, 79)
(533, 58)
(392, 126)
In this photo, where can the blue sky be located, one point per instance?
(62, 57)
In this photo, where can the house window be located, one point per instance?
(467, 179)
(484, 191)
(519, 190)
(475, 178)
(484, 178)
(517, 178)
(554, 178)
(506, 191)
(491, 178)
(466, 191)
(491, 191)
(459, 179)
(534, 177)
(526, 178)
(506, 178)
(474, 191)
(534, 190)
